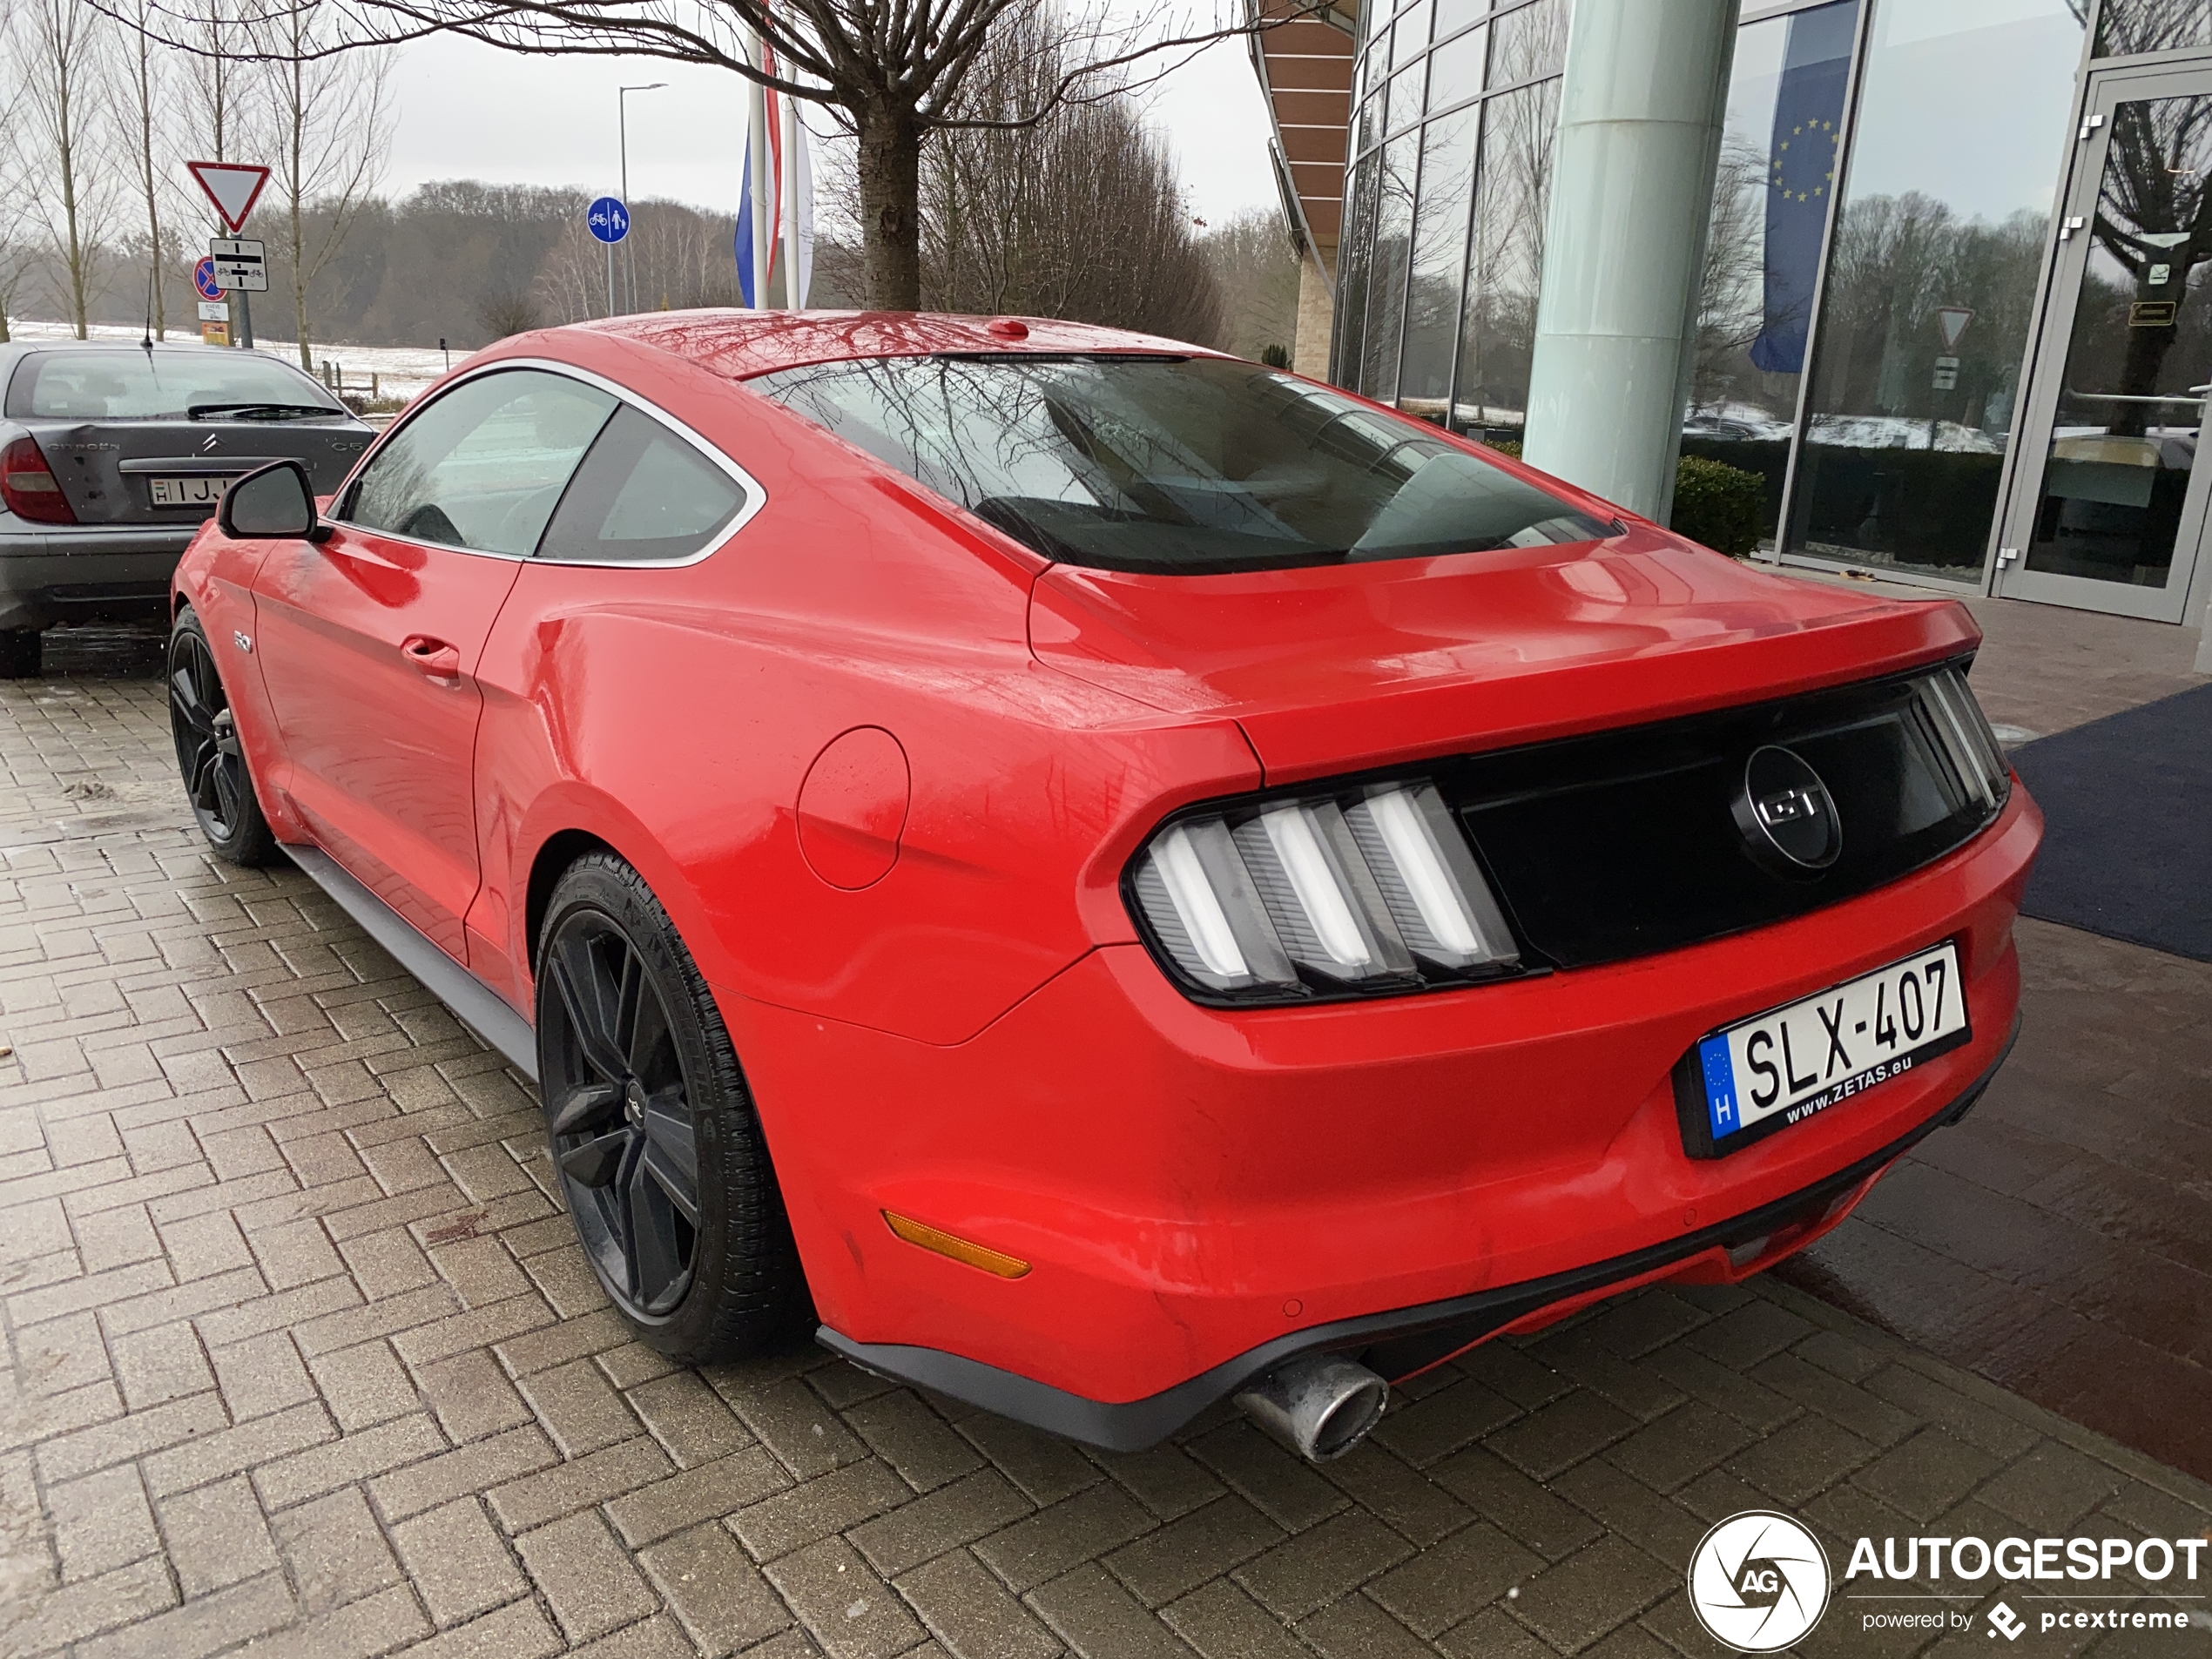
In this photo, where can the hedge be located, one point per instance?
(1716, 505)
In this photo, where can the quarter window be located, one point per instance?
(483, 466)
(643, 495)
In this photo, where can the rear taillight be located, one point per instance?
(1361, 891)
(29, 486)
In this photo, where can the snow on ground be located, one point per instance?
(400, 371)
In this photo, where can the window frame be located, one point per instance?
(755, 496)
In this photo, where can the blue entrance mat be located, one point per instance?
(2128, 800)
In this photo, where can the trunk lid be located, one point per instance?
(107, 468)
(1341, 667)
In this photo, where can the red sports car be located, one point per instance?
(1115, 875)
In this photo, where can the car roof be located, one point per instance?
(741, 344)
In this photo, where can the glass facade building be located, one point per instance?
(1950, 310)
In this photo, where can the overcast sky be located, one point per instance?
(472, 112)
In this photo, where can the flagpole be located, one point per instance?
(788, 108)
(757, 187)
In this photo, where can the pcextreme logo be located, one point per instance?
(1758, 1581)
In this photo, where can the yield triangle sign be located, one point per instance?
(1954, 320)
(234, 188)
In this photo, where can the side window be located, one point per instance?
(642, 493)
(483, 466)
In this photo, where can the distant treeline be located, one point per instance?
(470, 262)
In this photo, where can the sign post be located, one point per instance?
(234, 188)
(215, 309)
(610, 221)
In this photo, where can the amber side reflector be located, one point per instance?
(991, 1261)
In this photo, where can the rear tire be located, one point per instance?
(209, 755)
(20, 653)
(652, 1129)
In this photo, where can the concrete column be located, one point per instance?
(1641, 109)
(1316, 319)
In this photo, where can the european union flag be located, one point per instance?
(1801, 177)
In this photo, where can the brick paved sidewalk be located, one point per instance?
(303, 1360)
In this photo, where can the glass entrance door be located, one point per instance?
(2109, 508)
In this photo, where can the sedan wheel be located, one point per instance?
(208, 754)
(660, 1153)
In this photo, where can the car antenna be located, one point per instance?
(153, 268)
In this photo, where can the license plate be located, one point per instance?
(187, 492)
(1794, 1062)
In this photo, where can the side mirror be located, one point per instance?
(275, 503)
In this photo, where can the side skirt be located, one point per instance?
(473, 1003)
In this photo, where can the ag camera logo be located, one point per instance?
(1758, 1581)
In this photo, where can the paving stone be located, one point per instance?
(688, 1419)
(334, 1550)
(1167, 1480)
(457, 1562)
(1178, 1557)
(217, 1536)
(1927, 1474)
(1223, 1623)
(1592, 1592)
(1488, 1485)
(585, 1576)
(1078, 1528)
(1443, 1585)
(812, 1510)
(706, 1492)
(1684, 1444)
(972, 1614)
(517, 1631)
(1045, 1467)
(1288, 1490)
(913, 1439)
(844, 1607)
(1356, 1629)
(720, 1596)
(1328, 1560)
(1554, 1437)
(101, 1522)
(1100, 1620)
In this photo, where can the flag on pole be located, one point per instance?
(791, 185)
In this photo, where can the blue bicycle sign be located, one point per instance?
(609, 219)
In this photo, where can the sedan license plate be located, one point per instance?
(195, 491)
(1792, 1062)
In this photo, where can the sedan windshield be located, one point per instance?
(158, 385)
(1174, 465)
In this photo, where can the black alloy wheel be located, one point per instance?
(661, 1157)
(208, 755)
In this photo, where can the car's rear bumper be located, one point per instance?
(82, 572)
(1405, 1341)
(1199, 1190)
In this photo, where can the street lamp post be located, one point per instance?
(621, 127)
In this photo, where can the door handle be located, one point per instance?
(436, 659)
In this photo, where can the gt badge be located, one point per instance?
(1787, 817)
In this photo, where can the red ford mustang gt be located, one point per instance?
(1118, 875)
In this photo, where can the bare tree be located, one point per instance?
(71, 182)
(142, 114)
(331, 120)
(17, 253)
(222, 115)
(1256, 264)
(889, 72)
(1077, 214)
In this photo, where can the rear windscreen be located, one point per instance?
(139, 385)
(1174, 465)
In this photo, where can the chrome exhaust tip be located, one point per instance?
(1319, 1404)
